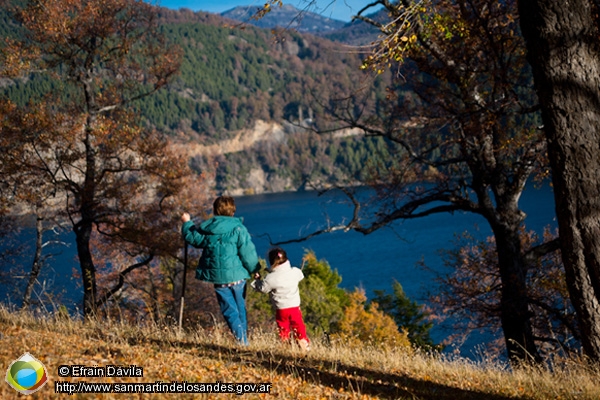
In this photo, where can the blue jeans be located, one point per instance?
(232, 301)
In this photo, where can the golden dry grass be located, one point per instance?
(328, 371)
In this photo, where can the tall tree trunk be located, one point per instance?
(515, 316)
(563, 49)
(37, 263)
(83, 231)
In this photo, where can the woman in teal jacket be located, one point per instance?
(228, 259)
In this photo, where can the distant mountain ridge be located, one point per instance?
(290, 18)
(287, 17)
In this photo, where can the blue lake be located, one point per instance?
(371, 262)
(374, 261)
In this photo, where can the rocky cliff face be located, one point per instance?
(255, 180)
(243, 140)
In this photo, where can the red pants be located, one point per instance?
(290, 320)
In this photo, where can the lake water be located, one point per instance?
(374, 261)
(371, 262)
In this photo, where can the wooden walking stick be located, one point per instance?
(185, 262)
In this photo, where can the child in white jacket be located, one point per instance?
(282, 285)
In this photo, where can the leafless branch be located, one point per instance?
(541, 250)
(121, 281)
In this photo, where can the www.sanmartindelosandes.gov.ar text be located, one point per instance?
(160, 387)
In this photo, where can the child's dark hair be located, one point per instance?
(277, 256)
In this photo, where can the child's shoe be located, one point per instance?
(304, 344)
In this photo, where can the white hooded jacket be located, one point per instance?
(282, 285)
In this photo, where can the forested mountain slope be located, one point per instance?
(236, 78)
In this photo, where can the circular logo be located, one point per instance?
(27, 374)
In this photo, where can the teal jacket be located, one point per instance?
(228, 254)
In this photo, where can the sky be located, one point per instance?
(337, 9)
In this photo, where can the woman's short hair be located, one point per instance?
(224, 205)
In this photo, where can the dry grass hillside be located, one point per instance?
(201, 357)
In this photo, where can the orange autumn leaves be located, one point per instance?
(362, 325)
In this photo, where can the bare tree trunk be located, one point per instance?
(514, 303)
(83, 232)
(563, 49)
(37, 263)
(83, 229)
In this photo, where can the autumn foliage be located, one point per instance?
(364, 325)
(81, 152)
